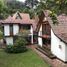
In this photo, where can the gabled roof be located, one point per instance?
(24, 18)
(40, 21)
(60, 29)
(21, 15)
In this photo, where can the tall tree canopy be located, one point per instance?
(31, 3)
(3, 9)
(57, 6)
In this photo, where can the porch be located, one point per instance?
(27, 31)
(46, 41)
(45, 45)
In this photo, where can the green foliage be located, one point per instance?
(31, 3)
(20, 42)
(1, 32)
(57, 7)
(1, 35)
(3, 9)
(24, 33)
(18, 47)
(54, 18)
(14, 6)
(1, 28)
(27, 59)
(15, 49)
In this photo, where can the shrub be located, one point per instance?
(15, 49)
(18, 47)
(9, 48)
(1, 35)
(20, 42)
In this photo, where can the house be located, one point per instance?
(44, 31)
(55, 35)
(15, 24)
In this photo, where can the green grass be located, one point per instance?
(27, 59)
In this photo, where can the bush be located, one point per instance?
(1, 35)
(21, 41)
(18, 47)
(15, 49)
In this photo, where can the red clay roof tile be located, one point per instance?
(59, 29)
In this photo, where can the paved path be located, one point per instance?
(52, 62)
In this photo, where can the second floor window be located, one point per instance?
(25, 27)
(46, 29)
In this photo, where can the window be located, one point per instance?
(26, 27)
(18, 16)
(60, 46)
(46, 29)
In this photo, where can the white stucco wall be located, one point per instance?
(66, 52)
(6, 30)
(39, 38)
(15, 29)
(9, 40)
(58, 47)
(31, 31)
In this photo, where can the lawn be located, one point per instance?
(27, 59)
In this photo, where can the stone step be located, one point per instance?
(46, 52)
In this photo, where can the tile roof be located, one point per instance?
(12, 19)
(60, 29)
(25, 19)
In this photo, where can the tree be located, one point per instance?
(3, 9)
(14, 6)
(31, 3)
(55, 7)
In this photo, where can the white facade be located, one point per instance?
(9, 40)
(15, 29)
(39, 38)
(58, 48)
(31, 31)
(6, 30)
(66, 52)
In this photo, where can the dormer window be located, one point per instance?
(18, 16)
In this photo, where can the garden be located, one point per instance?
(26, 59)
(19, 55)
